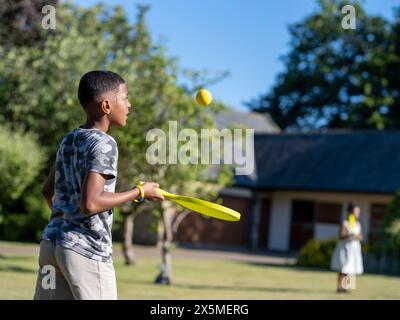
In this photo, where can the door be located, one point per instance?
(302, 223)
(263, 227)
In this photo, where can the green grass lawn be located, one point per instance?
(208, 279)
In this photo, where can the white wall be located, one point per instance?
(279, 227)
(325, 231)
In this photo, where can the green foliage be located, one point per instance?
(317, 253)
(21, 158)
(38, 93)
(338, 78)
(23, 212)
(392, 211)
(21, 224)
(20, 22)
(393, 231)
(390, 231)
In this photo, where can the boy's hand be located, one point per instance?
(150, 191)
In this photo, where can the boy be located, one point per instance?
(76, 243)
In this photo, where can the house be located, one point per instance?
(261, 123)
(301, 187)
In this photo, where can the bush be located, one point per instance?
(390, 237)
(393, 231)
(317, 253)
(21, 159)
(23, 211)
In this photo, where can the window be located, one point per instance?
(328, 212)
(303, 211)
(302, 226)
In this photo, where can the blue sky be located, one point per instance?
(244, 37)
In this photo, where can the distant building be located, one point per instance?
(261, 123)
(301, 188)
(143, 233)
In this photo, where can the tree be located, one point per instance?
(39, 95)
(38, 91)
(390, 235)
(338, 78)
(20, 22)
(21, 159)
(159, 100)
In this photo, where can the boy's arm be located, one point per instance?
(48, 188)
(94, 199)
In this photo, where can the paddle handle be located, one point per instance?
(165, 193)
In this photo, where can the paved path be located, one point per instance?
(186, 252)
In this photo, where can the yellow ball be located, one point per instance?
(203, 97)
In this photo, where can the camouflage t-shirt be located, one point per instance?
(80, 151)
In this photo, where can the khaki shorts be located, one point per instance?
(76, 277)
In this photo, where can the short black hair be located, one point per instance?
(94, 83)
(351, 207)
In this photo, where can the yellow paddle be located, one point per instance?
(204, 207)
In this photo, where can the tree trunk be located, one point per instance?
(168, 212)
(127, 249)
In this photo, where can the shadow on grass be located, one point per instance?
(239, 288)
(18, 258)
(14, 268)
(235, 249)
(287, 267)
(232, 287)
(314, 269)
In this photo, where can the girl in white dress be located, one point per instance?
(347, 256)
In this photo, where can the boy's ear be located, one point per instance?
(105, 106)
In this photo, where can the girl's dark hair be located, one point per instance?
(94, 83)
(351, 207)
